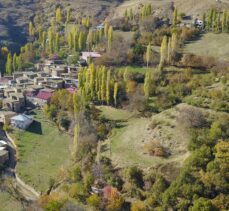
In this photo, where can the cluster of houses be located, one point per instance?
(34, 88)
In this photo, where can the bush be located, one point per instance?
(155, 149)
(94, 201)
(135, 176)
(138, 206)
(192, 118)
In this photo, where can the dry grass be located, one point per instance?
(129, 139)
(213, 45)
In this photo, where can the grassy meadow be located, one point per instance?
(213, 45)
(37, 164)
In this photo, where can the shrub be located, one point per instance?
(192, 118)
(94, 201)
(138, 206)
(155, 149)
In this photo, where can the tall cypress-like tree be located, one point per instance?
(164, 51)
(148, 54)
(147, 84)
(115, 93)
(110, 37)
(175, 17)
(15, 65)
(9, 66)
(31, 29)
(58, 15)
(108, 87)
(106, 28)
(57, 42)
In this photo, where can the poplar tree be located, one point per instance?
(76, 140)
(147, 84)
(68, 17)
(90, 39)
(51, 40)
(131, 15)
(9, 67)
(110, 37)
(148, 54)
(169, 58)
(174, 46)
(87, 23)
(204, 21)
(58, 15)
(57, 43)
(164, 50)
(15, 65)
(115, 93)
(103, 85)
(44, 37)
(224, 21)
(80, 41)
(19, 62)
(108, 87)
(31, 29)
(106, 28)
(92, 80)
(70, 40)
(175, 17)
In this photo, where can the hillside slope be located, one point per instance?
(189, 7)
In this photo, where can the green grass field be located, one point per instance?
(8, 203)
(128, 139)
(133, 69)
(214, 45)
(42, 149)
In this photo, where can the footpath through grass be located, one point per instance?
(42, 149)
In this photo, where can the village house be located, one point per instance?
(21, 121)
(43, 97)
(57, 71)
(90, 56)
(5, 116)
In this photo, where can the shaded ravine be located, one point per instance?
(25, 191)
